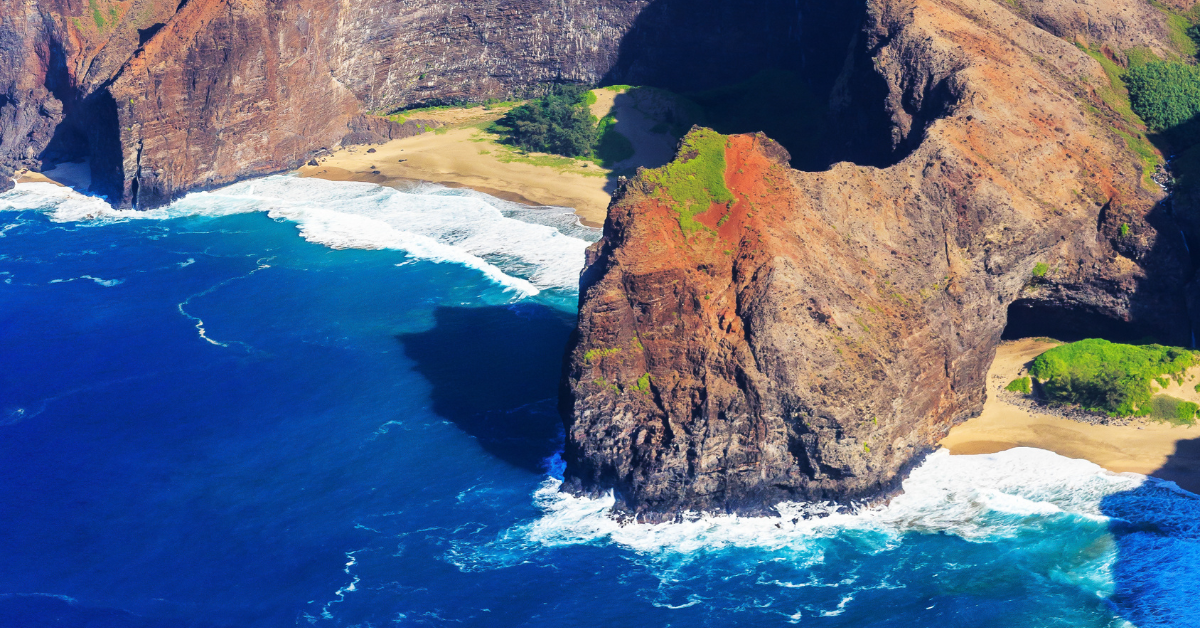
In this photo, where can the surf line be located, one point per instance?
(262, 264)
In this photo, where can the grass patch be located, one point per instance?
(1020, 385)
(1102, 376)
(1117, 96)
(97, 16)
(1040, 269)
(1173, 410)
(592, 354)
(696, 179)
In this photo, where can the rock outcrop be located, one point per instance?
(808, 337)
(164, 96)
(822, 331)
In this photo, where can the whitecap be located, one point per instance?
(519, 253)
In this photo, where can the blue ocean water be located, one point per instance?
(298, 402)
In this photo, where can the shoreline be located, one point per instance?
(461, 154)
(1139, 445)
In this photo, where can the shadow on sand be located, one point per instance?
(495, 374)
(1156, 528)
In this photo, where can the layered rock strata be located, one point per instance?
(823, 331)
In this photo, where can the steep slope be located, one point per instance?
(823, 331)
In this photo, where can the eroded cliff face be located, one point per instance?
(825, 330)
(165, 96)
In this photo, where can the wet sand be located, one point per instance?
(1142, 446)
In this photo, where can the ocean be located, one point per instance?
(294, 402)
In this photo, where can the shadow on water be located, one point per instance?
(495, 374)
(1156, 528)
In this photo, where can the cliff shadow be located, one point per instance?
(88, 137)
(495, 374)
(1157, 543)
(798, 70)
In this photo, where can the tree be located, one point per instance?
(558, 122)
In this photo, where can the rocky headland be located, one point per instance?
(819, 332)
(808, 322)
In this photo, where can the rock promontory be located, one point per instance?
(792, 335)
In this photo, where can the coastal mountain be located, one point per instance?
(164, 97)
(793, 335)
(801, 316)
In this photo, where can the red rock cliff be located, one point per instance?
(824, 330)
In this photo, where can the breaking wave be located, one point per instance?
(521, 248)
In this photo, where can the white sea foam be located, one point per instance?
(978, 498)
(1069, 505)
(431, 223)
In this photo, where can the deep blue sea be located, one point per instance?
(293, 402)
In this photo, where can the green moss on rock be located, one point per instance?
(696, 179)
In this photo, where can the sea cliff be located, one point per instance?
(805, 324)
(812, 335)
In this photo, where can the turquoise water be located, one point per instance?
(297, 402)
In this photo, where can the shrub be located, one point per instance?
(558, 123)
(1124, 229)
(1040, 270)
(1166, 94)
(1106, 377)
(1172, 410)
(1020, 385)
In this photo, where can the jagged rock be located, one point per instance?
(822, 333)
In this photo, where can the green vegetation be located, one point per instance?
(1020, 385)
(558, 123)
(592, 354)
(1166, 94)
(611, 147)
(1040, 269)
(643, 384)
(1116, 95)
(1173, 410)
(1106, 377)
(1124, 229)
(696, 179)
(603, 383)
(97, 16)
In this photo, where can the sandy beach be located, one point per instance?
(463, 154)
(77, 175)
(1142, 446)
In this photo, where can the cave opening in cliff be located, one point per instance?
(1028, 318)
(89, 132)
(798, 70)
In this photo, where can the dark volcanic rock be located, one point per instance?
(829, 328)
